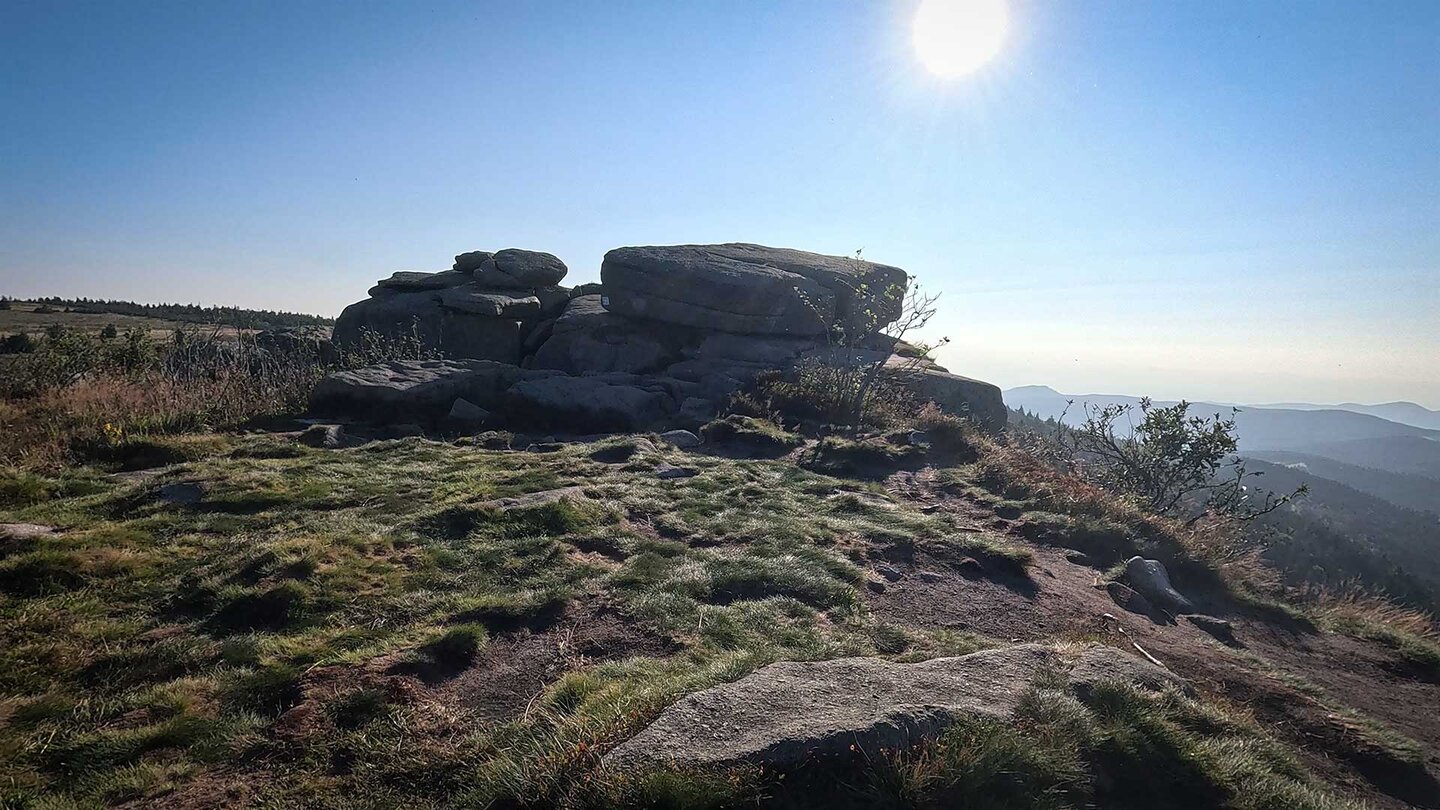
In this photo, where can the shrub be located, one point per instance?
(836, 455)
(18, 343)
(855, 372)
(825, 392)
(948, 433)
(761, 434)
(1170, 462)
(75, 392)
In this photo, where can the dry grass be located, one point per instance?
(105, 411)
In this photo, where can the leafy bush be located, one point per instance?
(1170, 462)
(18, 343)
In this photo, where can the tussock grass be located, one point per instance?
(759, 433)
(151, 642)
(1411, 633)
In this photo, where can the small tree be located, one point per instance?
(1171, 462)
(860, 360)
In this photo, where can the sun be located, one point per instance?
(955, 37)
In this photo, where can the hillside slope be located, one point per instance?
(437, 624)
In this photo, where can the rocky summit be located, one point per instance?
(664, 340)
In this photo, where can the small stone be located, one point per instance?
(681, 438)
(670, 471)
(1079, 558)
(493, 440)
(890, 572)
(470, 262)
(466, 415)
(181, 494)
(327, 436)
(970, 565)
(928, 576)
(24, 531)
(919, 437)
(1126, 597)
(1219, 628)
(875, 585)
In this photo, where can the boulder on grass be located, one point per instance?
(585, 405)
(979, 401)
(465, 415)
(786, 714)
(586, 339)
(412, 390)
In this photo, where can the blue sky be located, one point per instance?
(1222, 200)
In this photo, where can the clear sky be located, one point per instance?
(1221, 200)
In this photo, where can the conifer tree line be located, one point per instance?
(184, 313)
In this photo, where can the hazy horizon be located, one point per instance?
(1235, 202)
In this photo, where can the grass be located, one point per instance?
(253, 640)
(151, 640)
(760, 434)
(1410, 633)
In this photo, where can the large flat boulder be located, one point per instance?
(587, 404)
(413, 390)
(513, 267)
(587, 339)
(748, 289)
(421, 315)
(790, 712)
(406, 281)
(496, 303)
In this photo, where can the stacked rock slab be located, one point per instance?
(483, 308)
(663, 341)
(748, 289)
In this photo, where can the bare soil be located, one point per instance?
(1290, 678)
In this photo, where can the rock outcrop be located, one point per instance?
(662, 342)
(790, 712)
(483, 308)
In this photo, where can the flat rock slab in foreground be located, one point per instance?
(789, 712)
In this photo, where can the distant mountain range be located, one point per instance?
(1372, 510)
(1398, 461)
(1406, 413)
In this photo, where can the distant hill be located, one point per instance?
(1406, 413)
(1411, 491)
(35, 315)
(1345, 436)
(1337, 533)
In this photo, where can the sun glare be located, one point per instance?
(955, 37)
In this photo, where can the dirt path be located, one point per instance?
(1296, 682)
